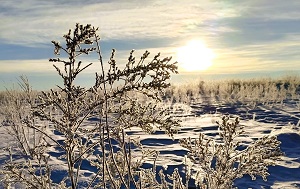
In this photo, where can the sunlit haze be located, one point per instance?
(195, 56)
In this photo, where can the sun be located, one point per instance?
(195, 56)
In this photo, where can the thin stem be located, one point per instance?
(84, 152)
(128, 159)
(71, 168)
(106, 112)
(44, 133)
(105, 101)
(78, 169)
(24, 179)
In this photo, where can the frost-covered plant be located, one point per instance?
(249, 92)
(104, 145)
(216, 164)
(17, 110)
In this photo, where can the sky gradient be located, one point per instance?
(251, 37)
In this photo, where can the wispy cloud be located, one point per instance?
(277, 55)
(42, 65)
(32, 22)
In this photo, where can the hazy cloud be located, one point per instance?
(245, 35)
(32, 22)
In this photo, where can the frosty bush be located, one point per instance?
(118, 100)
(218, 164)
(111, 99)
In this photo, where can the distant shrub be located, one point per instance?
(118, 100)
(250, 92)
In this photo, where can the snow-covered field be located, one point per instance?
(280, 119)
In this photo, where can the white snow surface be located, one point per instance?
(280, 120)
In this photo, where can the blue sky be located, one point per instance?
(247, 37)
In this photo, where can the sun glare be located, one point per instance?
(195, 56)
